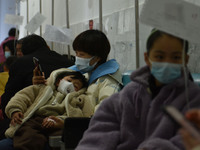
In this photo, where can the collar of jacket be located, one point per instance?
(109, 67)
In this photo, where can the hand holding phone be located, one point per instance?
(177, 117)
(37, 64)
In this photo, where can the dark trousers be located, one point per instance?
(32, 136)
(4, 125)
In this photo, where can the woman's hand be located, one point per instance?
(38, 78)
(189, 141)
(17, 118)
(194, 116)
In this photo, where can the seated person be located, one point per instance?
(104, 78)
(11, 36)
(4, 75)
(92, 48)
(9, 48)
(133, 118)
(4, 124)
(21, 72)
(3, 80)
(31, 107)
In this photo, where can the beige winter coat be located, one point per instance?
(38, 100)
(104, 87)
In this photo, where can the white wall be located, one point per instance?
(6, 7)
(80, 11)
(118, 20)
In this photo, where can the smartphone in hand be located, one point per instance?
(37, 64)
(179, 118)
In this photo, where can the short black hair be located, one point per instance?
(93, 42)
(19, 41)
(9, 61)
(156, 34)
(32, 43)
(11, 44)
(12, 32)
(76, 75)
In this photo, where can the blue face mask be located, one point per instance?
(83, 64)
(166, 72)
(7, 54)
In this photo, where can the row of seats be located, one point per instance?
(72, 133)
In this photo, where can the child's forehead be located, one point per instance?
(69, 76)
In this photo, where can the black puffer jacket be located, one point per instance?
(21, 72)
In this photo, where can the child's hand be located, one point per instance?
(48, 123)
(59, 122)
(53, 122)
(16, 118)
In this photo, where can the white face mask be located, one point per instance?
(83, 64)
(65, 87)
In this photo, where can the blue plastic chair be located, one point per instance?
(196, 77)
(126, 77)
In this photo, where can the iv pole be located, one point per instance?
(68, 26)
(100, 16)
(137, 32)
(40, 13)
(27, 9)
(52, 21)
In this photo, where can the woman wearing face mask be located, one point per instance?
(32, 108)
(9, 48)
(133, 118)
(92, 48)
(11, 36)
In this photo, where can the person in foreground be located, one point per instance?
(133, 118)
(30, 109)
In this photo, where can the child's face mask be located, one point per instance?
(65, 87)
(165, 72)
(83, 64)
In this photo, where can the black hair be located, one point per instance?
(11, 44)
(12, 32)
(9, 61)
(32, 43)
(19, 41)
(93, 42)
(156, 34)
(76, 75)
